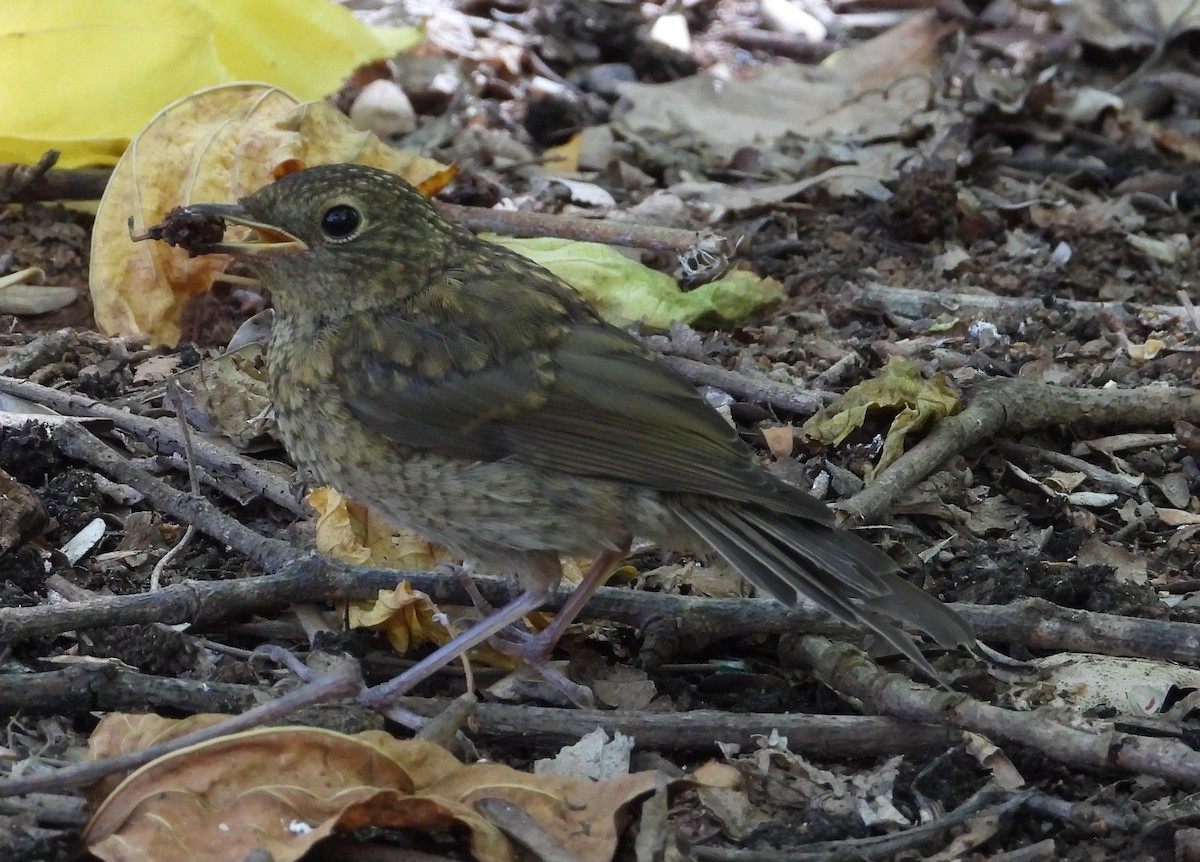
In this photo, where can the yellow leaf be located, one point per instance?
(898, 387)
(564, 159)
(408, 617)
(349, 531)
(105, 67)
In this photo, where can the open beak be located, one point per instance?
(265, 239)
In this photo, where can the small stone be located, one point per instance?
(383, 108)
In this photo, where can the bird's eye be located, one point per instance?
(340, 221)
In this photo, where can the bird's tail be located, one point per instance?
(787, 557)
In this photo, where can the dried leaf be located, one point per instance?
(349, 531)
(280, 790)
(899, 387)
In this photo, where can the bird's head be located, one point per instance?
(333, 237)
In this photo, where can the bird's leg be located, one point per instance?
(535, 650)
(462, 573)
(541, 644)
(539, 582)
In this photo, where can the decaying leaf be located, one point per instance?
(231, 391)
(899, 387)
(19, 296)
(349, 531)
(280, 790)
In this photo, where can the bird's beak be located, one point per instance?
(266, 239)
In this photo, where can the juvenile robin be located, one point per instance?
(466, 393)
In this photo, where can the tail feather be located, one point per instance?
(787, 557)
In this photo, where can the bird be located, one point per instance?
(464, 392)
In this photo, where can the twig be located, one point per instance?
(1016, 407)
(77, 443)
(1118, 482)
(990, 802)
(188, 534)
(781, 44)
(161, 436)
(1002, 310)
(83, 688)
(747, 388)
(342, 681)
(1096, 745)
(25, 184)
(527, 224)
(1193, 316)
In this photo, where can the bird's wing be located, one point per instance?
(592, 402)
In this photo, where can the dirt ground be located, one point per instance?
(1027, 240)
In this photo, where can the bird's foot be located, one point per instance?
(381, 696)
(464, 573)
(534, 650)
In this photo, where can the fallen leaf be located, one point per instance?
(231, 391)
(626, 292)
(899, 388)
(349, 531)
(780, 440)
(280, 790)
(1127, 566)
(273, 790)
(18, 296)
(157, 51)
(1083, 682)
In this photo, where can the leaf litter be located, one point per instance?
(901, 221)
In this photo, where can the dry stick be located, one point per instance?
(23, 183)
(794, 47)
(912, 303)
(297, 576)
(27, 184)
(779, 395)
(301, 576)
(1043, 625)
(342, 681)
(173, 395)
(1193, 315)
(1119, 482)
(76, 442)
(93, 687)
(987, 804)
(529, 224)
(1017, 407)
(1092, 744)
(161, 435)
(1035, 622)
